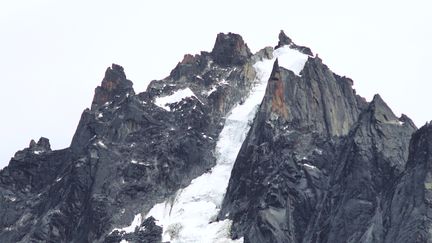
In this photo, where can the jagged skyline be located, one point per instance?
(179, 162)
(54, 54)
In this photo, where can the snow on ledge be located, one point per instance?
(131, 228)
(291, 59)
(175, 97)
(310, 166)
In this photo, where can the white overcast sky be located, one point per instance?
(54, 53)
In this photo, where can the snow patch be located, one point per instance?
(38, 152)
(310, 166)
(223, 82)
(211, 91)
(291, 59)
(395, 122)
(175, 97)
(10, 198)
(139, 162)
(101, 144)
(131, 228)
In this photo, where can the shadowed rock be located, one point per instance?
(230, 49)
(318, 163)
(114, 86)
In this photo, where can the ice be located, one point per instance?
(291, 59)
(175, 97)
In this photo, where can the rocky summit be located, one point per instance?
(232, 146)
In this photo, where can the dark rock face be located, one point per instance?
(407, 217)
(282, 170)
(319, 100)
(370, 160)
(319, 164)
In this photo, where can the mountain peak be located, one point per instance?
(114, 86)
(230, 49)
(43, 143)
(115, 70)
(284, 40)
(381, 110)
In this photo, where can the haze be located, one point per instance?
(54, 53)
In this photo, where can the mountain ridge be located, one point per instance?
(295, 179)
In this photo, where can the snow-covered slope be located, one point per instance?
(188, 218)
(291, 59)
